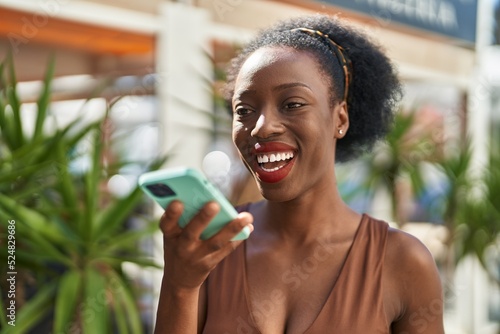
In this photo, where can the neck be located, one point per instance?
(319, 214)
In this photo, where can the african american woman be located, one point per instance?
(305, 94)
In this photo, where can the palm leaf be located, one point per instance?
(117, 261)
(3, 98)
(125, 297)
(32, 149)
(34, 310)
(33, 220)
(91, 195)
(76, 138)
(23, 172)
(3, 317)
(37, 262)
(2, 79)
(7, 127)
(15, 104)
(68, 296)
(44, 100)
(121, 317)
(112, 217)
(127, 239)
(41, 244)
(95, 313)
(66, 183)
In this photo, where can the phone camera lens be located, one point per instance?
(161, 190)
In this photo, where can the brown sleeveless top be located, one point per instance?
(354, 306)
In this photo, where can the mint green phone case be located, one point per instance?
(191, 188)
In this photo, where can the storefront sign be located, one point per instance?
(453, 18)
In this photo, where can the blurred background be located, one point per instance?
(94, 93)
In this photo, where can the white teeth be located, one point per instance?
(264, 158)
(272, 169)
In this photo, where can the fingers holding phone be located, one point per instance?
(169, 225)
(192, 232)
(200, 226)
(188, 258)
(194, 191)
(194, 229)
(243, 222)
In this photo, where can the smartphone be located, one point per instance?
(191, 188)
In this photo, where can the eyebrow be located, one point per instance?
(291, 85)
(277, 88)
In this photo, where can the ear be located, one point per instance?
(341, 120)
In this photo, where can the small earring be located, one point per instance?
(341, 131)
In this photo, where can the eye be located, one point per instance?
(242, 111)
(293, 105)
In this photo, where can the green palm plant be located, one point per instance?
(397, 158)
(471, 217)
(478, 219)
(70, 235)
(455, 168)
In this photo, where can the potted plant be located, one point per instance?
(68, 234)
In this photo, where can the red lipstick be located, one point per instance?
(273, 149)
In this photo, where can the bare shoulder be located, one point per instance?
(405, 250)
(408, 261)
(411, 272)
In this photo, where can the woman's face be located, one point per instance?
(284, 125)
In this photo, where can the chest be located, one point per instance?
(288, 289)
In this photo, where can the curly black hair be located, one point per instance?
(374, 91)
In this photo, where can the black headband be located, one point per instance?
(339, 53)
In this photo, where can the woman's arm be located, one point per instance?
(417, 283)
(177, 310)
(188, 261)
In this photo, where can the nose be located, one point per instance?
(268, 125)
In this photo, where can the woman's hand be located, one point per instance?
(188, 259)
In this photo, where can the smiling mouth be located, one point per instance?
(272, 162)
